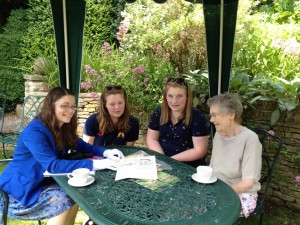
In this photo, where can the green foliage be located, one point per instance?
(264, 88)
(175, 25)
(12, 85)
(266, 48)
(11, 40)
(102, 21)
(282, 11)
(39, 39)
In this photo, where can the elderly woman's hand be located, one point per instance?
(113, 154)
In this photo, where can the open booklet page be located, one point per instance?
(138, 168)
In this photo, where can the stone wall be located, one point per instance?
(284, 190)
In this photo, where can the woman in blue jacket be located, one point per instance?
(42, 146)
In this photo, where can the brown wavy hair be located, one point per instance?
(64, 136)
(105, 122)
(165, 109)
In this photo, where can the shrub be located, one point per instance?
(262, 47)
(102, 21)
(11, 40)
(12, 85)
(141, 74)
(39, 39)
(176, 25)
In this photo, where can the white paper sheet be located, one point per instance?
(47, 174)
(138, 168)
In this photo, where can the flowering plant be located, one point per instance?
(140, 73)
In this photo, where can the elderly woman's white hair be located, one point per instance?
(228, 103)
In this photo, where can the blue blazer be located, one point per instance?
(35, 153)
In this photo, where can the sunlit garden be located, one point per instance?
(139, 45)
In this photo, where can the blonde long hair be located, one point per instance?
(165, 109)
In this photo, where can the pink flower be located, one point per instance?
(141, 113)
(138, 70)
(271, 132)
(146, 80)
(85, 85)
(102, 71)
(167, 55)
(94, 95)
(93, 72)
(158, 48)
(87, 68)
(297, 178)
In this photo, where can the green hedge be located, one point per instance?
(11, 40)
(12, 85)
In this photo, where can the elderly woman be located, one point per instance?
(236, 154)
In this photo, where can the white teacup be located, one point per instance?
(80, 175)
(204, 172)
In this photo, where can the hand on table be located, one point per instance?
(103, 164)
(113, 154)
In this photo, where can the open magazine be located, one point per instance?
(147, 171)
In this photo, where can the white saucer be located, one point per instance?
(204, 181)
(73, 183)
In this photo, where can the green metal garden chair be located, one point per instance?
(271, 147)
(31, 107)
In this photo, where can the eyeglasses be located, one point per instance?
(116, 87)
(178, 80)
(66, 107)
(214, 115)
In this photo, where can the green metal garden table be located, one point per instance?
(126, 202)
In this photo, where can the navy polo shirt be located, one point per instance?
(91, 128)
(177, 138)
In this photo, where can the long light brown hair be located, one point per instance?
(165, 109)
(105, 122)
(64, 136)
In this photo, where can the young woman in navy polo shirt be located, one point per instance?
(176, 129)
(112, 124)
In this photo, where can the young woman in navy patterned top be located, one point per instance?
(112, 124)
(176, 129)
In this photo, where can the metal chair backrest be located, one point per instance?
(31, 107)
(2, 110)
(271, 147)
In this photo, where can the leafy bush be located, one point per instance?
(12, 85)
(11, 40)
(141, 74)
(287, 94)
(102, 21)
(39, 39)
(261, 47)
(176, 25)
